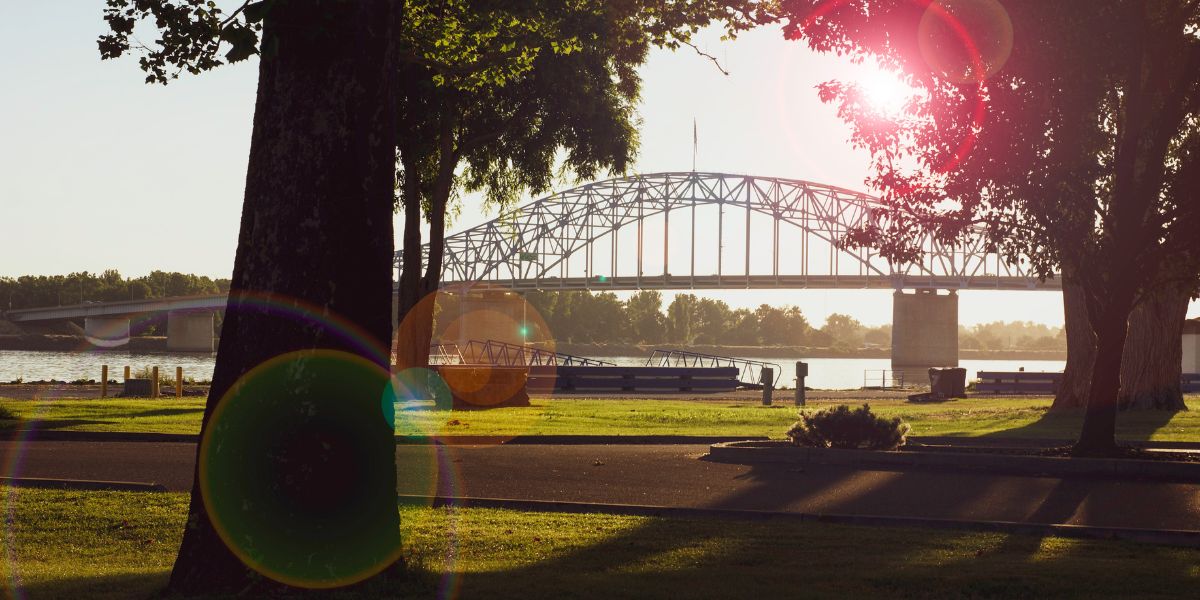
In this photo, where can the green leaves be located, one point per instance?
(192, 33)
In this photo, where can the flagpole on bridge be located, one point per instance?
(695, 143)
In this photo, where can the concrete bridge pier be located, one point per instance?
(190, 331)
(924, 329)
(107, 332)
(491, 315)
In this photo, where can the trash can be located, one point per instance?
(138, 388)
(948, 382)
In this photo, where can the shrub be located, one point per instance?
(843, 427)
(165, 376)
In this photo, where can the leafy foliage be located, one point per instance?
(192, 34)
(1063, 134)
(846, 428)
(1025, 142)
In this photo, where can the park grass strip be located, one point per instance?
(121, 545)
(980, 416)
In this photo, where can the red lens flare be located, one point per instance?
(963, 41)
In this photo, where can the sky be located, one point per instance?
(99, 170)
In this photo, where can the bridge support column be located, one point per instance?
(108, 332)
(493, 315)
(189, 331)
(924, 329)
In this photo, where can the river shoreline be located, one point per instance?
(606, 350)
(156, 344)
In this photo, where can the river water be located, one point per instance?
(824, 373)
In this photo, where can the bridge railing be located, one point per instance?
(447, 353)
(883, 379)
(749, 371)
(495, 352)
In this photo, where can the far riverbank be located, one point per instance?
(148, 344)
(610, 350)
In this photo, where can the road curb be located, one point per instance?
(81, 484)
(50, 435)
(1011, 442)
(1040, 466)
(56, 435)
(1170, 537)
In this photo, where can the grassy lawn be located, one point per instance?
(62, 544)
(1009, 417)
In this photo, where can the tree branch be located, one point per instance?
(233, 15)
(706, 55)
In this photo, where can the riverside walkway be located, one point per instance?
(675, 476)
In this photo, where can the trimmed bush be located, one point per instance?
(846, 428)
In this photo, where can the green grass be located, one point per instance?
(1009, 417)
(163, 415)
(65, 544)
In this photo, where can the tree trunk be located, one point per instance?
(312, 271)
(1153, 357)
(418, 295)
(1081, 348)
(410, 352)
(1097, 436)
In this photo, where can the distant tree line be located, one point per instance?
(584, 317)
(579, 316)
(1016, 335)
(31, 291)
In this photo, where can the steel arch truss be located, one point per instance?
(530, 247)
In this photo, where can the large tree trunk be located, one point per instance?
(312, 271)
(1151, 362)
(1153, 357)
(1109, 303)
(1081, 348)
(1097, 437)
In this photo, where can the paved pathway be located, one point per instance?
(675, 476)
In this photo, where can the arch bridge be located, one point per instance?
(689, 230)
(701, 230)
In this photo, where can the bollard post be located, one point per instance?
(154, 382)
(103, 381)
(768, 383)
(801, 373)
(178, 382)
(127, 374)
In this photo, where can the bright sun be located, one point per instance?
(885, 92)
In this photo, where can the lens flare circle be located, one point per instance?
(290, 473)
(410, 394)
(966, 41)
(485, 341)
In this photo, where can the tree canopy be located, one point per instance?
(512, 99)
(1065, 133)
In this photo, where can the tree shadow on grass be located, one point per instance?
(721, 558)
(51, 424)
(118, 586)
(161, 412)
(727, 558)
(735, 559)
(1064, 426)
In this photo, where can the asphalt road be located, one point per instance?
(674, 475)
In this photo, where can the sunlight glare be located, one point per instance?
(884, 91)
